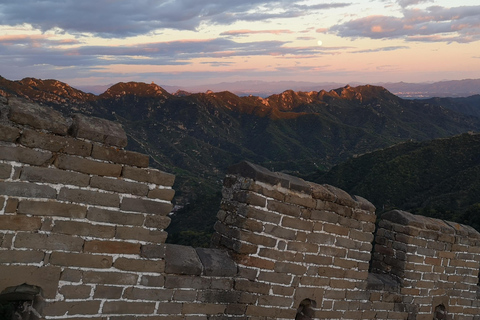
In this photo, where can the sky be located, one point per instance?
(193, 42)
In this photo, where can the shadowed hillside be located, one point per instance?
(438, 178)
(197, 136)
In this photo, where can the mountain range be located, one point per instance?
(451, 88)
(197, 136)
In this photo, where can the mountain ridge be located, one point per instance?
(198, 136)
(445, 88)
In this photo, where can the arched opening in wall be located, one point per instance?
(23, 302)
(306, 310)
(440, 313)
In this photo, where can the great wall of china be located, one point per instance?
(82, 237)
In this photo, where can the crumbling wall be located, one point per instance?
(82, 236)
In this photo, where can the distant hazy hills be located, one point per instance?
(197, 136)
(439, 178)
(454, 88)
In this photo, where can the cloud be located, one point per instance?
(392, 48)
(109, 18)
(248, 32)
(183, 52)
(34, 40)
(407, 3)
(459, 24)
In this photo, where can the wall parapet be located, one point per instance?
(82, 234)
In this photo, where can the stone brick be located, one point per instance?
(304, 201)
(261, 215)
(346, 243)
(120, 156)
(321, 238)
(99, 130)
(186, 281)
(120, 247)
(182, 260)
(68, 162)
(203, 308)
(141, 234)
(71, 275)
(275, 254)
(296, 223)
(255, 262)
(11, 206)
(135, 293)
(89, 197)
(261, 312)
(80, 260)
(107, 292)
(216, 263)
(276, 231)
(149, 175)
(325, 216)
(114, 278)
(40, 117)
(46, 277)
(20, 223)
(345, 263)
(185, 295)
(5, 171)
(336, 229)
(153, 251)
(21, 256)
(68, 145)
(342, 284)
(146, 206)
(83, 229)
(154, 266)
(250, 198)
(302, 247)
(42, 241)
(222, 283)
(275, 277)
(156, 221)
(25, 155)
(318, 259)
(76, 292)
(51, 208)
(52, 175)
(115, 217)
(28, 190)
(290, 268)
(153, 281)
(332, 251)
(169, 308)
(162, 194)
(290, 210)
(61, 308)
(118, 185)
(8, 133)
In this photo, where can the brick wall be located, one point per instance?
(82, 226)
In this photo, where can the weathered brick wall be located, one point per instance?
(82, 224)
(436, 263)
(295, 240)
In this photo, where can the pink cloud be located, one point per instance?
(460, 23)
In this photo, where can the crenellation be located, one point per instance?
(84, 220)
